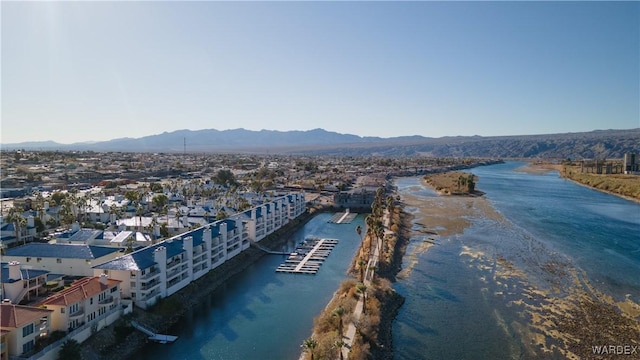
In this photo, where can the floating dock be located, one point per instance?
(343, 217)
(308, 256)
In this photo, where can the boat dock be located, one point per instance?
(308, 256)
(159, 338)
(343, 218)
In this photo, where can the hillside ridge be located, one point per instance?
(576, 145)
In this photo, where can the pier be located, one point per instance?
(308, 256)
(159, 338)
(343, 218)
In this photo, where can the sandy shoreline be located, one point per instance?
(563, 320)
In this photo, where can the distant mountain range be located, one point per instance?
(593, 144)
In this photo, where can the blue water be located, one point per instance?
(599, 232)
(261, 314)
(455, 309)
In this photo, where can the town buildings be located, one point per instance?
(631, 163)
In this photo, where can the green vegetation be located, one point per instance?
(620, 184)
(309, 345)
(452, 183)
(225, 177)
(121, 330)
(70, 350)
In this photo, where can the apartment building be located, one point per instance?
(21, 283)
(160, 270)
(68, 259)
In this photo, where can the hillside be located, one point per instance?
(594, 144)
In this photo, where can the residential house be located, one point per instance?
(86, 301)
(21, 326)
(26, 234)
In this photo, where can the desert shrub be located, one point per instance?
(121, 330)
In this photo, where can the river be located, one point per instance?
(554, 234)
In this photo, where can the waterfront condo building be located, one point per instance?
(162, 269)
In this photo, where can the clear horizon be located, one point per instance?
(499, 135)
(96, 71)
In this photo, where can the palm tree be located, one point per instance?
(361, 264)
(178, 216)
(339, 344)
(221, 215)
(339, 312)
(39, 206)
(139, 212)
(81, 204)
(471, 185)
(113, 210)
(159, 201)
(309, 346)
(129, 244)
(65, 213)
(380, 236)
(390, 204)
(362, 289)
(70, 350)
(370, 220)
(19, 222)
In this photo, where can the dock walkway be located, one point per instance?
(268, 251)
(308, 256)
(343, 218)
(159, 338)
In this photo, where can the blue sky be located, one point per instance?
(90, 71)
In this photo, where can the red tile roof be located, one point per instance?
(82, 289)
(15, 316)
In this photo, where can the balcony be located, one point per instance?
(107, 301)
(150, 295)
(149, 285)
(173, 263)
(151, 274)
(199, 259)
(77, 314)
